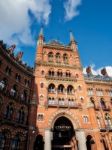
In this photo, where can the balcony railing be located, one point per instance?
(67, 104)
(106, 128)
(14, 96)
(63, 77)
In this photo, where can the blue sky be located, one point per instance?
(89, 20)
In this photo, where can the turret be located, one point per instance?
(73, 43)
(41, 37)
(39, 49)
(74, 47)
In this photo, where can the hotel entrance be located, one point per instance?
(63, 135)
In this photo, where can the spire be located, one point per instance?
(41, 31)
(71, 37)
(41, 37)
(73, 43)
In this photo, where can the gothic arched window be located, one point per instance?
(21, 116)
(65, 58)
(59, 73)
(68, 74)
(70, 89)
(58, 57)
(51, 88)
(50, 57)
(61, 88)
(51, 72)
(9, 111)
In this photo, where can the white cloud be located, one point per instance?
(71, 8)
(98, 71)
(14, 19)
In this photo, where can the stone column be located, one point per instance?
(80, 136)
(47, 139)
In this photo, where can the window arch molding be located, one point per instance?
(70, 89)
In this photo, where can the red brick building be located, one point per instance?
(74, 110)
(17, 102)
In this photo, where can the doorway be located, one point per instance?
(63, 135)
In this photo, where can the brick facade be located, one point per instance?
(65, 92)
(16, 100)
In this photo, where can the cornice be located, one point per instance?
(98, 82)
(13, 62)
(57, 65)
(57, 47)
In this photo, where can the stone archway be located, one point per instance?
(66, 114)
(72, 121)
(63, 135)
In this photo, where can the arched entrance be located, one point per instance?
(63, 135)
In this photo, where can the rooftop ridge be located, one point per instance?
(14, 58)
